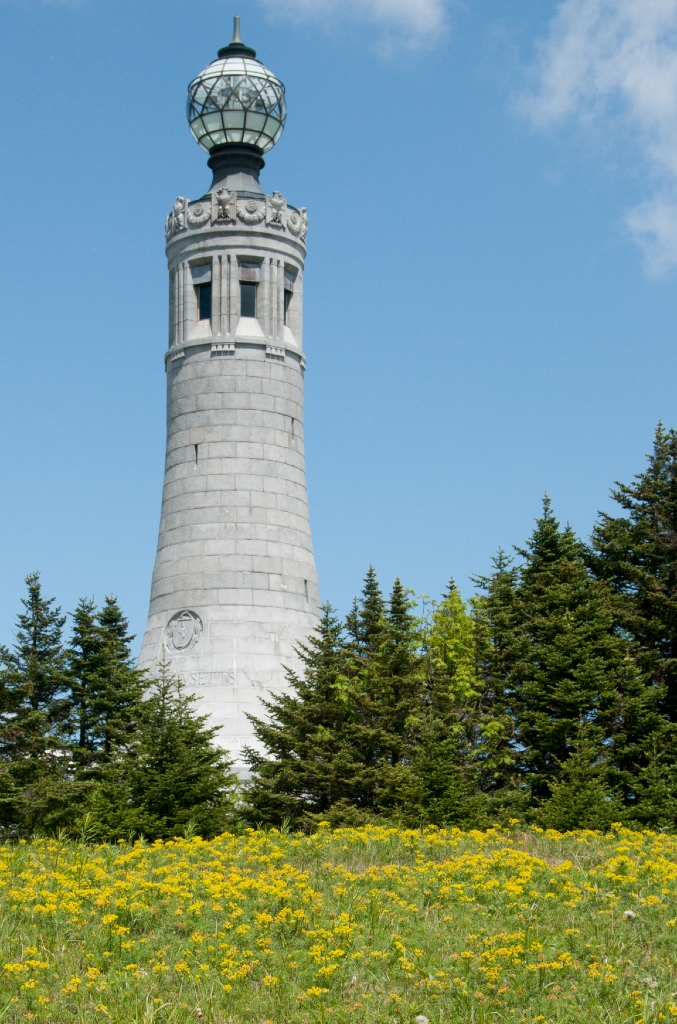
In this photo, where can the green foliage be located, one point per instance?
(582, 797)
(451, 751)
(557, 663)
(170, 777)
(551, 696)
(385, 721)
(34, 758)
(106, 688)
(310, 770)
(637, 555)
(84, 737)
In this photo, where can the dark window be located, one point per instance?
(247, 298)
(287, 300)
(204, 301)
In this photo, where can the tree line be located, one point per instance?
(549, 697)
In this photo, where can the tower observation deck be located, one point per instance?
(234, 586)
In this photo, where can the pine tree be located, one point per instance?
(34, 759)
(449, 753)
(107, 689)
(386, 677)
(562, 664)
(636, 554)
(341, 739)
(366, 622)
(582, 797)
(498, 630)
(566, 656)
(654, 782)
(172, 776)
(307, 769)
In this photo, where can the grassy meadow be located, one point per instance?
(364, 924)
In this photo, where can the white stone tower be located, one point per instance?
(234, 587)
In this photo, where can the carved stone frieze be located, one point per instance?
(297, 223)
(250, 211)
(225, 207)
(276, 208)
(198, 214)
(176, 221)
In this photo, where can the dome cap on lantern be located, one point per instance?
(236, 100)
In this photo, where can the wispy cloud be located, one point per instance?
(613, 64)
(410, 22)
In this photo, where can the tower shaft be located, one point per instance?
(234, 586)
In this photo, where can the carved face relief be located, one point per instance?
(183, 632)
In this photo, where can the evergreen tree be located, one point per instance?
(107, 689)
(34, 760)
(498, 630)
(449, 752)
(654, 781)
(636, 554)
(341, 739)
(566, 658)
(564, 665)
(172, 776)
(309, 769)
(385, 687)
(582, 797)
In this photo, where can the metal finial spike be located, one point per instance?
(235, 48)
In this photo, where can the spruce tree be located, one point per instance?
(341, 739)
(172, 776)
(449, 754)
(386, 682)
(636, 554)
(582, 797)
(107, 689)
(35, 774)
(562, 664)
(305, 768)
(498, 631)
(566, 658)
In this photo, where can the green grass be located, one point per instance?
(369, 924)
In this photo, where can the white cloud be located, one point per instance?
(414, 21)
(613, 63)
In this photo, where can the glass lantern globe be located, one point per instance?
(236, 99)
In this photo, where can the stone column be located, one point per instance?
(234, 294)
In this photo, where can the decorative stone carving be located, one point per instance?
(275, 209)
(176, 221)
(251, 212)
(183, 632)
(198, 214)
(297, 223)
(224, 207)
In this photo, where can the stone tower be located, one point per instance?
(234, 586)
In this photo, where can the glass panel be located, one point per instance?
(287, 300)
(236, 86)
(247, 299)
(204, 295)
(233, 118)
(255, 122)
(212, 122)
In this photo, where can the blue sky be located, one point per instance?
(490, 300)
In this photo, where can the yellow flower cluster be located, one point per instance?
(372, 924)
